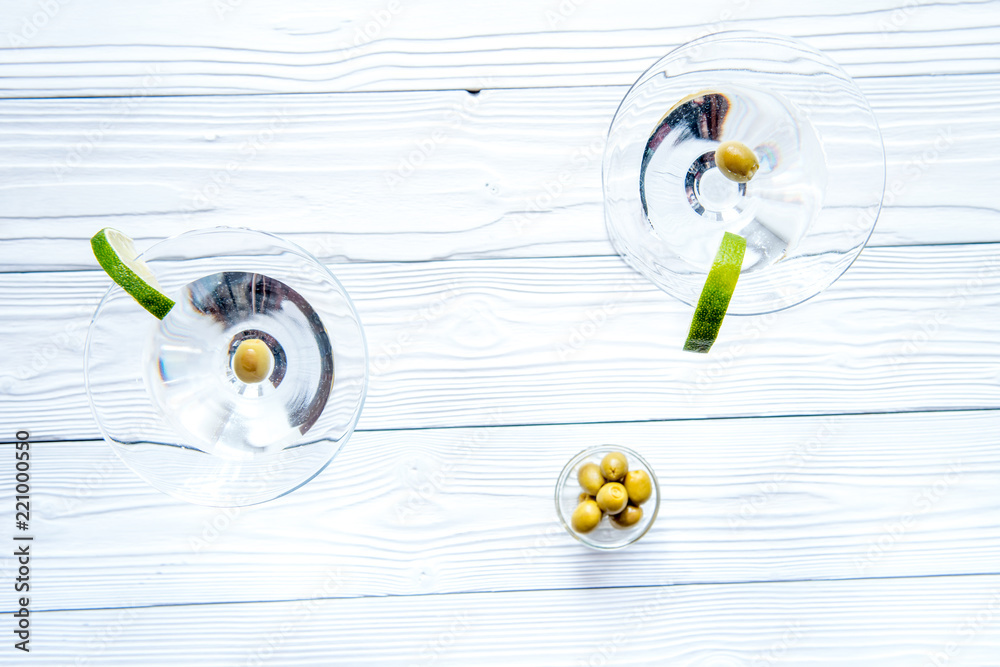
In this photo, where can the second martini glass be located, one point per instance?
(807, 212)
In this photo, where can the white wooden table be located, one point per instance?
(830, 473)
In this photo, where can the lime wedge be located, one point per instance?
(117, 256)
(715, 295)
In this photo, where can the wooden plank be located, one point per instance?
(417, 176)
(58, 48)
(890, 623)
(586, 339)
(460, 510)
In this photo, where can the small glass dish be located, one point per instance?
(606, 535)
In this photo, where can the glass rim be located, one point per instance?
(859, 231)
(345, 430)
(564, 478)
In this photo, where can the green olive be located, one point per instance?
(614, 466)
(252, 361)
(590, 478)
(639, 486)
(612, 498)
(736, 161)
(584, 497)
(629, 516)
(586, 516)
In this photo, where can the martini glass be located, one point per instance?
(807, 212)
(166, 393)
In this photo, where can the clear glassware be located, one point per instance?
(165, 394)
(606, 536)
(808, 211)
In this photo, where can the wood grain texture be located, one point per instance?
(473, 342)
(235, 46)
(503, 332)
(888, 623)
(458, 510)
(418, 176)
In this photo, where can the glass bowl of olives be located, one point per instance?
(607, 497)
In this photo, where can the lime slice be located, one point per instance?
(117, 256)
(715, 295)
